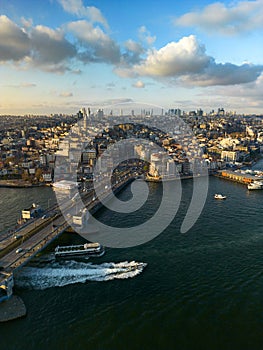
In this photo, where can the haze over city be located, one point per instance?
(58, 55)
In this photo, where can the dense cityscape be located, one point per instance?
(131, 175)
(29, 144)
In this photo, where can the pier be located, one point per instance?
(243, 178)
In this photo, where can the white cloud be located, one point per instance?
(139, 84)
(14, 42)
(145, 35)
(66, 94)
(49, 46)
(134, 47)
(28, 85)
(175, 59)
(27, 23)
(232, 19)
(133, 53)
(245, 97)
(186, 62)
(39, 46)
(125, 72)
(76, 71)
(22, 85)
(117, 101)
(49, 50)
(76, 7)
(96, 45)
(95, 15)
(251, 91)
(72, 6)
(225, 74)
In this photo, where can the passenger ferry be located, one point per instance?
(87, 249)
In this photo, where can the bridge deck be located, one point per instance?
(36, 236)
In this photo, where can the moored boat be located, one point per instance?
(255, 185)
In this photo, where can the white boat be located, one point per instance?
(255, 185)
(65, 185)
(219, 196)
(87, 249)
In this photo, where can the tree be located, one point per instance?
(38, 174)
(25, 175)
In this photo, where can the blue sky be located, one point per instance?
(57, 56)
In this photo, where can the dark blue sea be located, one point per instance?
(200, 290)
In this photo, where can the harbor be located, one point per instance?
(229, 282)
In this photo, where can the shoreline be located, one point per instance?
(182, 177)
(19, 184)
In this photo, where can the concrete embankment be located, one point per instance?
(12, 309)
(19, 184)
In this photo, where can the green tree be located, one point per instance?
(38, 174)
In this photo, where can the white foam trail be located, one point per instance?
(60, 274)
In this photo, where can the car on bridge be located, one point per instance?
(19, 250)
(17, 236)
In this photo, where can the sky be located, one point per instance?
(57, 56)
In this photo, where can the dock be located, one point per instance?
(243, 178)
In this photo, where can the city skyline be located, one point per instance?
(59, 55)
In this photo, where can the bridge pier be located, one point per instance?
(6, 286)
(12, 308)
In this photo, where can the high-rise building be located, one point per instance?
(100, 113)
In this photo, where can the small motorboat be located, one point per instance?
(219, 196)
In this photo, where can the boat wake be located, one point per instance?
(59, 274)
